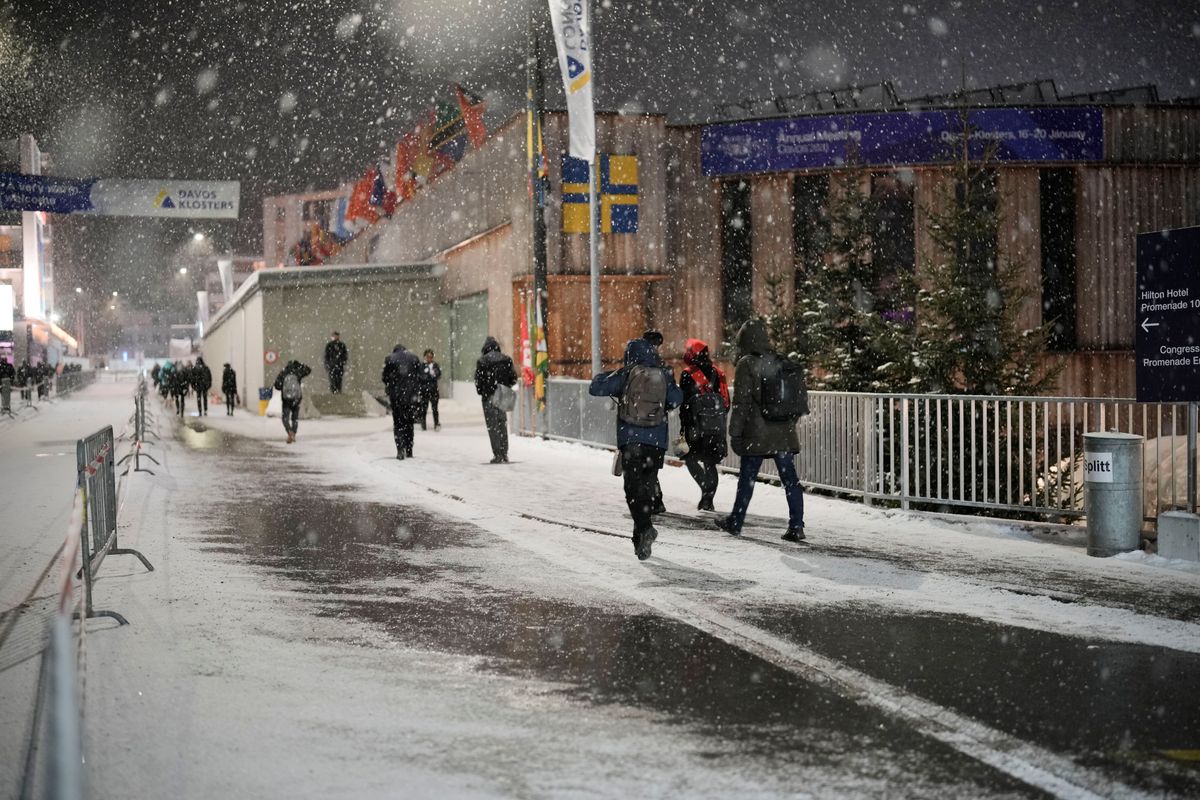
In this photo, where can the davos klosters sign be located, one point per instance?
(120, 197)
(901, 138)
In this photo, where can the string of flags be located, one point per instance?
(441, 137)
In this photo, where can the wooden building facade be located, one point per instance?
(707, 244)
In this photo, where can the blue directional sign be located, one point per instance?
(1168, 316)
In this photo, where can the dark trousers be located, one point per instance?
(427, 402)
(402, 427)
(229, 398)
(786, 464)
(335, 380)
(497, 428)
(201, 402)
(179, 401)
(291, 416)
(703, 468)
(640, 464)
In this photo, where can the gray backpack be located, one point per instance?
(291, 387)
(644, 400)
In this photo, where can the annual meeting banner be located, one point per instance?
(120, 197)
(901, 138)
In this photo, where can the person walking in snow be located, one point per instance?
(492, 370)
(645, 391)
(402, 381)
(431, 373)
(336, 356)
(201, 379)
(229, 388)
(767, 403)
(702, 418)
(181, 379)
(291, 392)
(165, 376)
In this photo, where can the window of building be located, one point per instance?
(737, 260)
(894, 244)
(1057, 189)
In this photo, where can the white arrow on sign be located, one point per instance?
(1147, 325)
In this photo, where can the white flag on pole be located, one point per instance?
(572, 37)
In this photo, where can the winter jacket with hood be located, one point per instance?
(402, 376)
(749, 433)
(301, 371)
(228, 381)
(492, 369)
(700, 376)
(201, 377)
(612, 384)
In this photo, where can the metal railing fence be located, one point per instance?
(67, 382)
(1007, 455)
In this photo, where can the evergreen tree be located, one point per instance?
(968, 332)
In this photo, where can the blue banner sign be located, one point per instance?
(1034, 134)
(120, 197)
(41, 193)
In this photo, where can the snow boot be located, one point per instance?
(724, 524)
(706, 503)
(642, 543)
(794, 534)
(659, 508)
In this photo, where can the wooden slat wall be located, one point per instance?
(1096, 374)
(620, 253)
(771, 221)
(691, 303)
(928, 198)
(1114, 204)
(1020, 235)
(1152, 135)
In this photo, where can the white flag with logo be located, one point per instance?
(572, 36)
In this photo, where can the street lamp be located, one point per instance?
(114, 293)
(183, 270)
(198, 236)
(78, 290)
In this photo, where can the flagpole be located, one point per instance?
(594, 255)
(536, 92)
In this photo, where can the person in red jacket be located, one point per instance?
(702, 418)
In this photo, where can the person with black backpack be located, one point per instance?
(702, 418)
(769, 397)
(645, 391)
(291, 392)
(402, 381)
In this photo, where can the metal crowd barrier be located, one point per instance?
(141, 416)
(96, 460)
(1013, 455)
(67, 382)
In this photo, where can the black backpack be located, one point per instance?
(708, 416)
(784, 394)
(644, 399)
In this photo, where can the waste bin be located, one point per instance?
(264, 397)
(1112, 475)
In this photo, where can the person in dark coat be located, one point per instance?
(291, 393)
(7, 371)
(491, 370)
(24, 378)
(165, 376)
(181, 383)
(431, 373)
(201, 379)
(402, 382)
(43, 373)
(754, 437)
(702, 418)
(336, 356)
(642, 447)
(154, 375)
(229, 388)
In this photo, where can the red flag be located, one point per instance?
(472, 108)
(359, 206)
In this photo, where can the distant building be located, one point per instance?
(718, 208)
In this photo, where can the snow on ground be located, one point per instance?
(228, 684)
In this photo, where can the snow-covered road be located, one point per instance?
(326, 621)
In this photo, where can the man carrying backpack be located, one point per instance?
(291, 392)
(493, 370)
(645, 391)
(768, 400)
(702, 418)
(402, 381)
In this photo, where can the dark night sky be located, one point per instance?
(288, 95)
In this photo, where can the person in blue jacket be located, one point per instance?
(645, 391)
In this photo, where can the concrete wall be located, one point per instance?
(372, 318)
(237, 339)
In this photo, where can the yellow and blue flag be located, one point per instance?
(617, 195)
